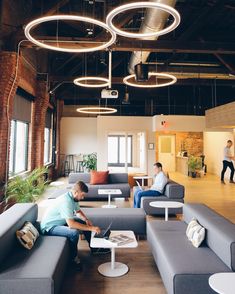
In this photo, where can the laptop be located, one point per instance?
(105, 233)
(140, 187)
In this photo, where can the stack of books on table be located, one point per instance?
(120, 239)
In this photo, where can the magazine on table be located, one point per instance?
(120, 239)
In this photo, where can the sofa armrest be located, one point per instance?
(174, 190)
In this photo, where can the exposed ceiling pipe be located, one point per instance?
(154, 20)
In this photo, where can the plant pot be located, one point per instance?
(194, 174)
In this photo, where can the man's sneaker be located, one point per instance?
(223, 182)
(77, 265)
(232, 182)
(97, 251)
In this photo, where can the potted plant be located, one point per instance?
(194, 163)
(90, 161)
(28, 189)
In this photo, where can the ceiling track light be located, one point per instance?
(42, 43)
(172, 81)
(126, 7)
(96, 110)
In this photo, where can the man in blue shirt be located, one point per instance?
(60, 220)
(156, 189)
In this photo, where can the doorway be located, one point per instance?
(166, 152)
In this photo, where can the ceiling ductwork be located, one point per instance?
(154, 20)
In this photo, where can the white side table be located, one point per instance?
(56, 184)
(223, 283)
(113, 269)
(142, 178)
(109, 192)
(166, 205)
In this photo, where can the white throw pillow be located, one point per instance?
(27, 235)
(195, 233)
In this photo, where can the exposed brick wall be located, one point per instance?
(7, 74)
(39, 109)
(192, 142)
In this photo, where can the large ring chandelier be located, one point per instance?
(164, 76)
(96, 110)
(92, 82)
(125, 7)
(42, 43)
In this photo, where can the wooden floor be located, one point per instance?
(143, 276)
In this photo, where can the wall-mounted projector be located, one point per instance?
(109, 94)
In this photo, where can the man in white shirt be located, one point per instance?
(156, 189)
(227, 162)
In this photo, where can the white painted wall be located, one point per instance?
(127, 124)
(78, 135)
(179, 123)
(214, 143)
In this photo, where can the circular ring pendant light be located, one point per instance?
(164, 76)
(45, 19)
(126, 7)
(93, 82)
(96, 110)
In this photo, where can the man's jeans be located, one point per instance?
(225, 165)
(71, 234)
(139, 194)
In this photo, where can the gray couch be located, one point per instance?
(38, 271)
(172, 192)
(133, 219)
(115, 181)
(185, 269)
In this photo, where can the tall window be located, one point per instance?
(117, 150)
(19, 137)
(48, 138)
(18, 147)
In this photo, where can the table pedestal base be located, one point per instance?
(119, 269)
(109, 205)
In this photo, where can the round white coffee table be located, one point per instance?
(166, 205)
(113, 268)
(223, 283)
(109, 192)
(56, 184)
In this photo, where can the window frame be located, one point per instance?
(120, 164)
(13, 173)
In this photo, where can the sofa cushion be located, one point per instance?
(74, 177)
(39, 270)
(99, 177)
(195, 233)
(220, 235)
(27, 235)
(22, 212)
(133, 219)
(174, 190)
(177, 258)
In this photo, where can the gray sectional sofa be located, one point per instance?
(41, 269)
(38, 271)
(172, 192)
(185, 269)
(115, 181)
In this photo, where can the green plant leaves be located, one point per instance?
(27, 189)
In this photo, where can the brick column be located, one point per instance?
(39, 109)
(59, 112)
(7, 93)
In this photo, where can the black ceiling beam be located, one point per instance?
(226, 63)
(165, 46)
(201, 21)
